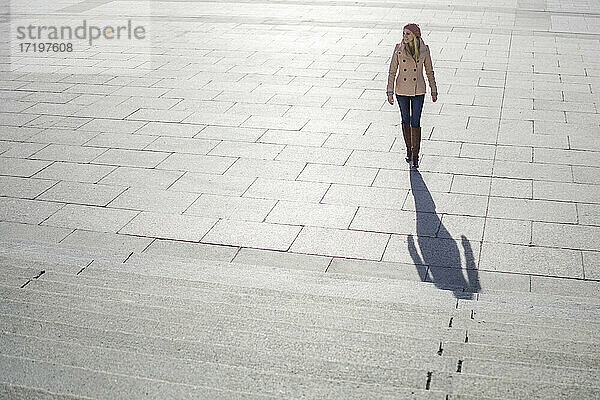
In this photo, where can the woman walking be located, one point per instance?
(406, 69)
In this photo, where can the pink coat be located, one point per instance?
(410, 81)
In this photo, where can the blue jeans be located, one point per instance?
(410, 109)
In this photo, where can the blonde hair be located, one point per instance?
(414, 48)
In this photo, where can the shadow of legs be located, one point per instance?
(472, 271)
(438, 250)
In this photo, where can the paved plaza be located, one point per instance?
(245, 150)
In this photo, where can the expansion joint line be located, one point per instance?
(127, 258)
(42, 272)
(487, 206)
(81, 270)
(428, 383)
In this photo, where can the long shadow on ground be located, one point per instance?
(436, 249)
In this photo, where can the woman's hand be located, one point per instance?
(434, 97)
(391, 99)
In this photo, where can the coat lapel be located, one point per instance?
(404, 53)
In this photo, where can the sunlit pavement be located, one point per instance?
(259, 133)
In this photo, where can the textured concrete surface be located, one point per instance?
(230, 194)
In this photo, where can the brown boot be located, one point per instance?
(416, 145)
(407, 134)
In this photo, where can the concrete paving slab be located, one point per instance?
(341, 243)
(466, 184)
(324, 113)
(375, 143)
(537, 171)
(311, 214)
(435, 182)
(266, 151)
(270, 122)
(193, 163)
(515, 153)
(105, 240)
(455, 226)
(430, 147)
(121, 141)
(75, 172)
(275, 129)
(450, 203)
(213, 183)
(507, 231)
(532, 260)
(231, 133)
(30, 373)
(188, 372)
(190, 250)
(82, 193)
(287, 190)
(27, 211)
(570, 157)
(378, 269)
(167, 129)
(377, 159)
(23, 150)
(99, 219)
(24, 188)
(353, 195)
(570, 192)
(294, 138)
(396, 221)
(168, 226)
(182, 145)
(476, 281)
(346, 128)
(252, 234)
(25, 231)
(586, 175)
(197, 105)
(505, 187)
(158, 200)
(588, 214)
(565, 236)
(63, 136)
(252, 167)
(555, 286)
(220, 119)
(140, 177)
(13, 119)
(21, 167)
(317, 155)
(533, 210)
(457, 165)
(590, 264)
(130, 158)
(338, 174)
(282, 259)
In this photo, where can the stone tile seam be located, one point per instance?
(172, 382)
(42, 272)
(442, 331)
(116, 375)
(479, 268)
(143, 150)
(302, 226)
(436, 325)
